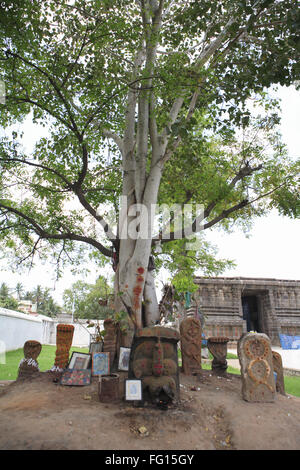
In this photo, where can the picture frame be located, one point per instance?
(124, 358)
(100, 364)
(95, 347)
(76, 377)
(133, 390)
(79, 360)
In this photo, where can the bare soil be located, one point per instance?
(38, 414)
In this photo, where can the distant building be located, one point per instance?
(27, 306)
(234, 305)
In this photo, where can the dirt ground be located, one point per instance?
(210, 415)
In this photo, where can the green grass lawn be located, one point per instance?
(291, 384)
(9, 371)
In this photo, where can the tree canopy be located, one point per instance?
(148, 100)
(89, 301)
(45, 304)
(6, 299)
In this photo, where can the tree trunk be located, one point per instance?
(134, 284)
(150, 301)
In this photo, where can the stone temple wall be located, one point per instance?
(220, 302)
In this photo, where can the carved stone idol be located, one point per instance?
(278, 369)
(64, 338)
(110, 344)
(29, 365)
(217, 345)
(191, 341)
(255, 356)
(153, 359)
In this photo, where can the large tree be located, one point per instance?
(147, 100)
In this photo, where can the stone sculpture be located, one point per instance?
(29, 365)
(278, 369)
(64, 338)
(191, 341)
(255, 356)
(110, 344)
(154, 360)
(217, 345)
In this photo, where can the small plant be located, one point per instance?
(120, 319)
(99, 334)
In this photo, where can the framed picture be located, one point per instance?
(124, 358)
(77, 377)
(79, 360)
(133, 389)
(96, 347)
(100, 363)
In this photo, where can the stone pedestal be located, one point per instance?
(217, 345)
(108, 388)
(255, 355)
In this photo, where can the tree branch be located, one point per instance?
(43, 234)
(182, 233)
(38, 165)
(117, 139)
(54, 86)
(226, 213)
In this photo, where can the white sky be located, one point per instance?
(271, 251)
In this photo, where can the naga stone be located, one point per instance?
(278, 369)
(217, 345)
(29, 365)
(64, 338)
(110, 344)
(255, 356)
(191, 340)
(154, 360)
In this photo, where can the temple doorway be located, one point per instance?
(250, 306)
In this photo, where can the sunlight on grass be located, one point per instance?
(9, 370)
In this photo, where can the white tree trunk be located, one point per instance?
(150, 301)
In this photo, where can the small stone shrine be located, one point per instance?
(191, 341)
(64, 338)
(217, 345)
(278, 369)
(29, 365)
(255, 356)
(154, 360)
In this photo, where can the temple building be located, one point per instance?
(231, 306)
